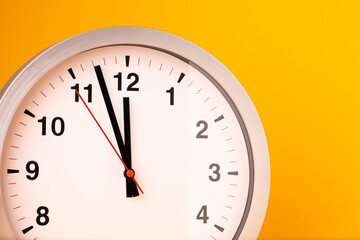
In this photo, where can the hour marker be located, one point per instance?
(182, 75)
(127, 60)
(9, 171)
(26, 230)
(221, 229)
(235, 173)
(219, 118)
(27, 112)
(71, 73)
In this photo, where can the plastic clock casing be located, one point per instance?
(23, 80)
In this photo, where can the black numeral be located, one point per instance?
(171, 92)
(62, 126)
(42, 219)
(119, 77)
(216, 172)
(131, 76)
(202, 131)
(32, 167)
(136, 80)
(88, 88)
(202, 215)
(43, 125)
(57, 131)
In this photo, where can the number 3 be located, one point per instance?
(216, 172)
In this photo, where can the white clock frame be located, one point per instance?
(21, 82)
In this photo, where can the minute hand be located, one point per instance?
(115, 126)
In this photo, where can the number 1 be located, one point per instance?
(171, 92)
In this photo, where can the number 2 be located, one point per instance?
(202, 131)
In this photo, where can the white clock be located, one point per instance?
(130, 133)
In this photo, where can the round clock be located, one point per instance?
(130, 133)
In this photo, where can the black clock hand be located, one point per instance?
(116, 129)
(129, 172)
(126, 114)
(131, 189)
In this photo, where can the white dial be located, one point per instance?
(127, 142)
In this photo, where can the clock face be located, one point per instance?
(126, 142)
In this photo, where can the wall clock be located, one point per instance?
(130, 133)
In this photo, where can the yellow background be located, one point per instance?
(298, 61)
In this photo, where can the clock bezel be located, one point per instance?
(21, 82)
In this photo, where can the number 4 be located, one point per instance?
(202, 215)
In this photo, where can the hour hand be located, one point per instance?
(131, 188)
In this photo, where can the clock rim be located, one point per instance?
(21, 82)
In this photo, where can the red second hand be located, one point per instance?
(102, 130)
